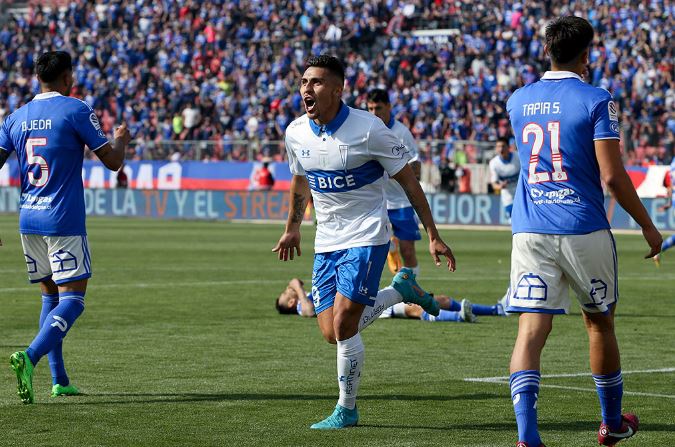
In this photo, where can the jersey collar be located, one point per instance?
(391, 122)
(558, 75)
(47, 95)
(335, 123)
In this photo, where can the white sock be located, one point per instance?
(416, 270)
(385, 298)
(350, 355)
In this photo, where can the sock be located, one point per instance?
(482, 309)
(455, 306)
(56, 325)
(55, 356)
(385, 298)
(416, 270)
(445, 315)
(610, 391)
(524, 393)
(350, 355)
(668, 243)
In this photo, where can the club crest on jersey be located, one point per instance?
(344, 150)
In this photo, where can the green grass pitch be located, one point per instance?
(180, 345)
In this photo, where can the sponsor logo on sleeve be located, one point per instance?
(94, 121)
(613, 114)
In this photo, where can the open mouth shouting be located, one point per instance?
(310, 105)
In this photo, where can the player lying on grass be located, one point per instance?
(295, 300)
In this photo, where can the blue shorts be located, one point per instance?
(354, 272)
(404, 223)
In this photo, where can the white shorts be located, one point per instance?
(544, 266)
(61, 258)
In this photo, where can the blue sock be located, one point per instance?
(668, 243)
(524, 393)
(455, 306)
(610, 391)
(56, 325)
(445, 315)
(56, 364)
(481, 309)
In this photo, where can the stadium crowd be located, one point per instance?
(224, 70)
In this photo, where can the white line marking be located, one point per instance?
(160, 284)
(557, 376)
(505, 381)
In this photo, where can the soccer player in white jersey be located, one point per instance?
(401, 213)
(504, 171)
(48, 135)
(569, 132)
(341, 154)
(670, 205)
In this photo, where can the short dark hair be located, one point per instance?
(331, 63)
(503, 140)
(284, 310)
(378, 95)
(52, 64)
(567, 37)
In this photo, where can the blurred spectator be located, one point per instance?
(228, 70)
(263, 179)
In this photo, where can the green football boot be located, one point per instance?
(68, 390)
(341, 418)
(404, 282)
(23, 368)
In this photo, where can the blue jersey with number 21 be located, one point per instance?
(556, 121)
(49, 134)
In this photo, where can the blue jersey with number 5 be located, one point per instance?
(555, 122)
(49, 134)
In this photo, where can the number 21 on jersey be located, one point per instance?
(536, 131)
(33, 159)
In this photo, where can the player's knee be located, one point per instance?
(599, 322)
(344, 325)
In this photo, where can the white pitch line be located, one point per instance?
(505, 381)
(161, 284)
(558, 376)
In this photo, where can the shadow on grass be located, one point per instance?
(144, 398)
(572, 426)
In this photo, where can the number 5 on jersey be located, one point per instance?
(36, 160)
(558, 174)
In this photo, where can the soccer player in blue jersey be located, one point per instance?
(399, 210)
(340, 154)
(48, 135)
(568, 131)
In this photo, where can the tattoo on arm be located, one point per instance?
(4, 155)
(298, 208)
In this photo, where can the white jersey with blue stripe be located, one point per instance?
(556, 121)
(506, 171)
(49, 135)
(672, 182)
(344, 162)
(396, 196)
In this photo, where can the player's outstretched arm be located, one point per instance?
(112, 155)
(289, 242)
(406, 178)
(620, 186)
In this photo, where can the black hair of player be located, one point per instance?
(52, 64)
(378, 95)
(503, 140)
(284, 310)
(567, 37)
(330, 63)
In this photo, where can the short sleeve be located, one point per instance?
(293, 162)
(5, 138)
(85, 123)
(385, 147)
(494, 177)
(410, 143)
(605, 118)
